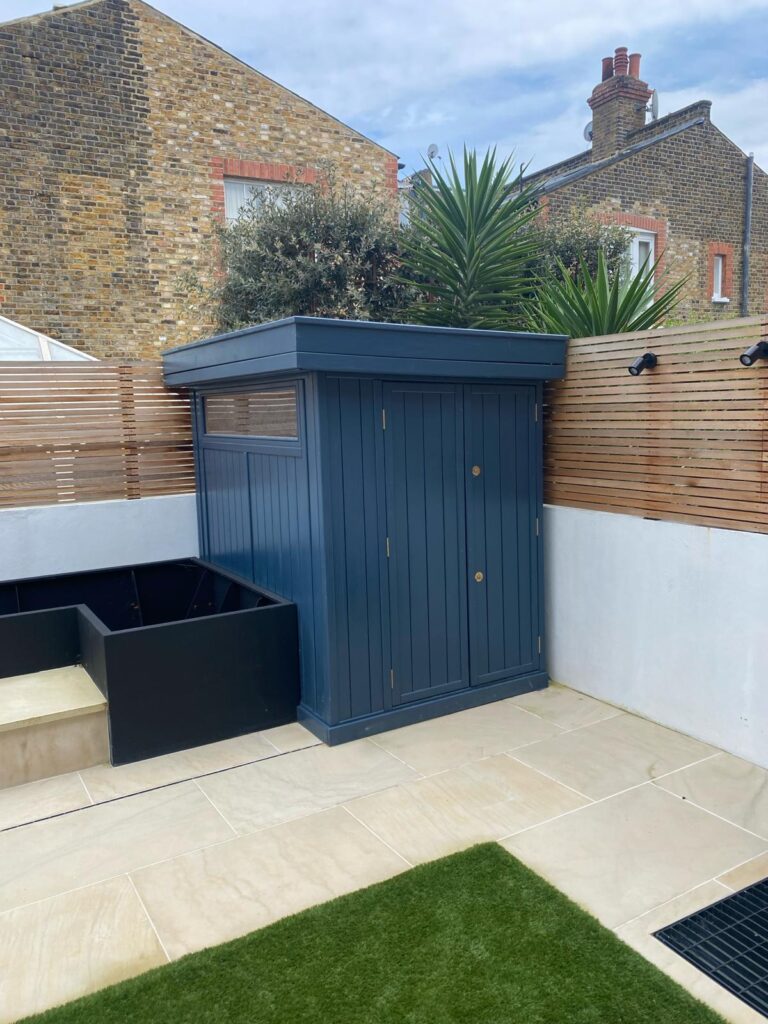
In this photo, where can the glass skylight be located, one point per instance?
(21, 344)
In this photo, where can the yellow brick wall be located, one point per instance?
(123, 123)
(691, 185)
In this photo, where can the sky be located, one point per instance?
(514, 74)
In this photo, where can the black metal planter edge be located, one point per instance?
(169, 685)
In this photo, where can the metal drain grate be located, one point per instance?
(729, 943)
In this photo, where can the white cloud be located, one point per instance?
(507, 71)
(356, 59)
(491, 71)
(540, 126)
(739, 113)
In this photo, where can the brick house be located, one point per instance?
(124, 136)
(678, 184)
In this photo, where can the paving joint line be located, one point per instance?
(149, 789)
(117, 874)
(628, 789)
(152, 924)
(218, 810)
(376, 835)
(511, 755)
(714, 814)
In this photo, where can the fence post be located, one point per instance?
(130, 433)
(764, 446)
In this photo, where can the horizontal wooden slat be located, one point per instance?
(686, 442)
(91, 432)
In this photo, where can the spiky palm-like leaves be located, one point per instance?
(466, 247)
(587, 305)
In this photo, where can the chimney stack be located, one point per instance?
(618, 103)
(621, 61)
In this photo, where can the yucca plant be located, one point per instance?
(588, 305)
(466, 249)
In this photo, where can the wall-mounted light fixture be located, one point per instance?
(753, 353)
(647, 361)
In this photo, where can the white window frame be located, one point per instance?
(636, 261)
(233, 207)
(718, 277)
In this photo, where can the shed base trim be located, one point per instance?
(394, 718)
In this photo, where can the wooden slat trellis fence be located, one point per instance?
(91, 431)
(686, 441)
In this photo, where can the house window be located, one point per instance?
(642, 251)
(269, 413)
(239, 191)
(718, 279)
(720, 272)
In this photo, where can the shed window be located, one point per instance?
(268, 413)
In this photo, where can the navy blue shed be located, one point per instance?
(387, 478)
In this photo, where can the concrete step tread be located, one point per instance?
(46, 696)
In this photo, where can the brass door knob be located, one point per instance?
(475, 471)
(479, 577)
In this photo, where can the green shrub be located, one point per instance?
(578, 236)
(320, 250)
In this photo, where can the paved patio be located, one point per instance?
(130, 867)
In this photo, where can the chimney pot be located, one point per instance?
(607, 68)
(634, 65)
(621, 61)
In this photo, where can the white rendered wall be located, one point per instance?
(53, 539)
(665, 619)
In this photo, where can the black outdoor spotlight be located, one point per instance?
(646, 361)
(753, 353)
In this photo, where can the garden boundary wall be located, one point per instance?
(656, 530)
(79, 444)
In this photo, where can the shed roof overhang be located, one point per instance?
(302, 344)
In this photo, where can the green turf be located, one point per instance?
(475, 938)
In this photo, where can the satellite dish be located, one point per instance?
(588, 131)
(654, 107)
(432, 150)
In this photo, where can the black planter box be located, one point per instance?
(184, 653)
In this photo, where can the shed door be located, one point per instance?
(423, 442)
(502, 566)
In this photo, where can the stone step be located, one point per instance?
(50, 722)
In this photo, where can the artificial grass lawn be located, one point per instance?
(475, 938)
